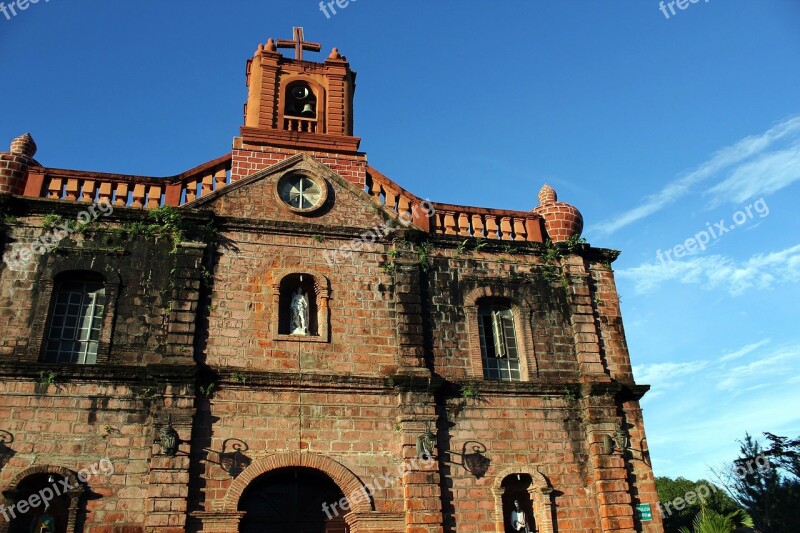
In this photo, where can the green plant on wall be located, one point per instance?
(165, 222)
(47, 378)
(390, 266)
(6, 218)
(207, 390)
(51, 220)
(424, 255)
(470, 390)
(576, 242)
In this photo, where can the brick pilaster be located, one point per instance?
(606, 302)
(610, 478)
(408, 306)
(421, 483)
(587, 342)
(185, 295)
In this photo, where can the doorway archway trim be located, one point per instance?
(11, 494)
(346, 480)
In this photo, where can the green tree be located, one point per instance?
(708, 521)
(691, 497)
(764, 481)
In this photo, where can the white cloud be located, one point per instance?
(761, 271)
(778, 364)
(749, 147)
(709, 411)
(741, 352)
(767, 174)
(662, 375)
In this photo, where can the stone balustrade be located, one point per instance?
(151, 193)
(127, 190)
(459, 220)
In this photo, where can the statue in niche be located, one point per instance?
(299, 307)
(44, 523)
(519, 521)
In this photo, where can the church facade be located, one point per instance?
(283, 339)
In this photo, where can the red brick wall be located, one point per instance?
(543, 432)
(76, 423)
(354, 427)
(250, 158)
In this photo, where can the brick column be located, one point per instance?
(608, 471)
(421, 483)
(168, 484)
(640, 469)
(262, 98)
(606, 301)
(587, 341)
(185, 295)
(408, 308)
(337, 108)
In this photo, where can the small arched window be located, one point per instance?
(76, 318)
(498, 341)
(300, 101)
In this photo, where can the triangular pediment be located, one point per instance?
(258, 197)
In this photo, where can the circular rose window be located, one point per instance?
(301, 193)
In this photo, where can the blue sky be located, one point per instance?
(656, 128)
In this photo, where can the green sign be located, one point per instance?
(644, 512)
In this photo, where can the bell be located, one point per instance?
(308, 111)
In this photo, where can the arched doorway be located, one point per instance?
(54, 518)
(292, 500)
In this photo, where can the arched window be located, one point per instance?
(300, 101)
(76, 318)
(498, 339)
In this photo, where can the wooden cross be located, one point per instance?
(299, 44)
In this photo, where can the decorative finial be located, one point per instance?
(547, 195)
(335, 54)
(270, 47)
(561, 221)
(24, 145)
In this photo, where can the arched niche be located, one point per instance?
(539, 495)
(64, 506)
(315, 288)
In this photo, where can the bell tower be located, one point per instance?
(295, 103)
